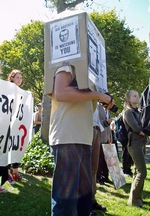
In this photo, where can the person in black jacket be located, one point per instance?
(136, 147)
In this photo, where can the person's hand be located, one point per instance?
(109, 120)
(110, 104)
(142, 133)
(110, 141)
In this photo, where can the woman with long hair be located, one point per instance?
(15, 76)
(136, 146)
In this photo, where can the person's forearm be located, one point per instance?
(72, 95)
(37, 122)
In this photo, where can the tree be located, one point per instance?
(25, 52)
(127, 63)
(126, 56)
(61, 5)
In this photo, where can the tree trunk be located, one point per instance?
(61, 5)
(46, 118)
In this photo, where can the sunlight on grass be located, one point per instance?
(34, 197)
(116, 200)
(12, 189)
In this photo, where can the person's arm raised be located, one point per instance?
(65, 93)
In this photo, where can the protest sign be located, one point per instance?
(16, 121)
(113, 165)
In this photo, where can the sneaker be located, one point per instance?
(10, 180)
(18, 177)
(96, 206)
(2, 190)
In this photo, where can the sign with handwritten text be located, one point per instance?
(16, 121)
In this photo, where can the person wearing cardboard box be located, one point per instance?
(70, 137)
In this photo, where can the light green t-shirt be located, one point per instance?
(71, 122)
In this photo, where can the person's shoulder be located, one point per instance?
(127, 111)
(66, 68)
(36, 113)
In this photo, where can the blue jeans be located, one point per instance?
(72, 180)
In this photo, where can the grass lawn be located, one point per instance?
(32, 198)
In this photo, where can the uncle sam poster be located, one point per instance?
(16, 121)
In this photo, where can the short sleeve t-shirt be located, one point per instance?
(71, 122)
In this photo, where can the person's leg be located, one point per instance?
(137, 153)
(104, 167)
(9, 169)
(4, 174)
(16, 175)
(95, 159)
(85, 184)
(9, 176)
(100, 165)
(130, 164)
(126, 161)
(71, 160)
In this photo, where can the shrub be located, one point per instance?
(37, 158)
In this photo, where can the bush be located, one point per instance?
(37, 158)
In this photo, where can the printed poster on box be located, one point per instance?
(97, 60)
(65, 45)
(64, 40)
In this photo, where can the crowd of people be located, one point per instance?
(78, 154)
(79, 125)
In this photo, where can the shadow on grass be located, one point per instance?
(115, 192)
(29, 198)
(125, 188)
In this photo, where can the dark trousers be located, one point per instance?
(4, 174)
(137, 152)
(36, 128)
(127, 161)
(72, 180)
(102, 167)
(95, 159)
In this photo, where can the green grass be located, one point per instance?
(32, 198)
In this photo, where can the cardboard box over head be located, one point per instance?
(73, 39)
